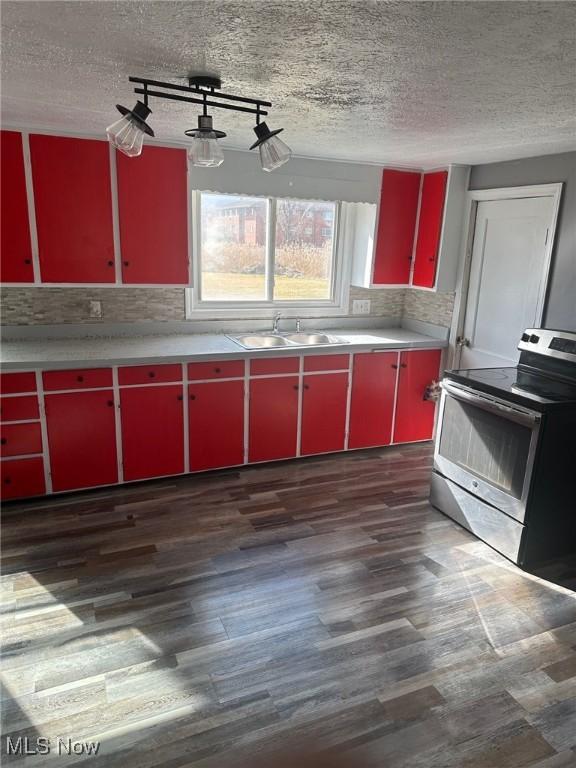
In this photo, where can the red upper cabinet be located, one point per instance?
(372, 403)
(273, 418)
(396, 226)
(152, 431)
(153, 214)
(429, 228)
(415, 415)
(16, 251)
(73, 202)
(82, 439)
(216, 418)
(324, 413)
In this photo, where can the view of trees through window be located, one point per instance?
(234, 255)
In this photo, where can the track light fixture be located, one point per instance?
(127, 134)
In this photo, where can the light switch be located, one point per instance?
(95, 309)
(361, 307)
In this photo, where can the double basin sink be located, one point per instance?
(274, 340)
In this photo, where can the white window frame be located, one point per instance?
(337, 304)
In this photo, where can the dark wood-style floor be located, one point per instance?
(319, 603)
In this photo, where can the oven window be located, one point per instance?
(485, 444)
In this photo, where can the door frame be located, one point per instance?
(473, 197)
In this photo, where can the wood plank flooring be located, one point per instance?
(318, 605)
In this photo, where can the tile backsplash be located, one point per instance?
(51, 306)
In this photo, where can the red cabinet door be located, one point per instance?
(414, 415)
(82, 439)
(372, 402)
(324, 413)
(16, 250)
(152, 431)
(153, 212)
(216, 418)
(73, 202)
(21, 478)
(429, 228)
(273, 418)
(396, 227)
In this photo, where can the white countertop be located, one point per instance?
(127, 350)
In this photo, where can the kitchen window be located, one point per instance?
(253, 254)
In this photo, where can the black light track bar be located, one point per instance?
(198, 90)
(208, 102)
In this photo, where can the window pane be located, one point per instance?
(233, 248)
(304, 250)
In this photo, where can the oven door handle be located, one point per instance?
(527, 418)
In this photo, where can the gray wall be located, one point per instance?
(560, 311)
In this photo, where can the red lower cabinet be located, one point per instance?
(22, 478)
(273, 418)
(372, 403)
(324, 413)
(216, 419)
(82, 439)
(415, 415)
(152, 431)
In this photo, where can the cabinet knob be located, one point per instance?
(151, 374)
(217, 370)
(110, 263)
(393, 365)
(79, 378)
(7, 480)
(431, 258)
(179, 397)
(306, 386)
(192, 397)
(126, 263)
(3, 441)
(295, 386)
(27, 261)
(110, 403)
(403, 365)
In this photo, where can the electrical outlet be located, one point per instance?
(361, 307)
(96, 309)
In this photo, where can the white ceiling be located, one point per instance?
(412, 83)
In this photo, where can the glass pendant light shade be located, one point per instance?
(127, 134)
(273, 151)
(205, 151)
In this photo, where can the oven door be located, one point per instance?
(487, 446)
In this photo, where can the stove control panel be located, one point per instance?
(543, 341)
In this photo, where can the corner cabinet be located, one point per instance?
(414, 236)
(66, 430)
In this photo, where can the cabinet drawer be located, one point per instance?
(20, 439)
(226, 369)
(274, 365)
(19, 408)
(326, 363)
(11, 383)
(22, 477)
(149, 374)
(78, 379)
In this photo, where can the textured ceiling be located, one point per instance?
(407, 83)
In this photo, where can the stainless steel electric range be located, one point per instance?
(505, 452)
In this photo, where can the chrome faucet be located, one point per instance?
(276, 321)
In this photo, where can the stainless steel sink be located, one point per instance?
(312, 338)
(275, 340)
(260, 341)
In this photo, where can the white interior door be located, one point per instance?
(507, 278)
